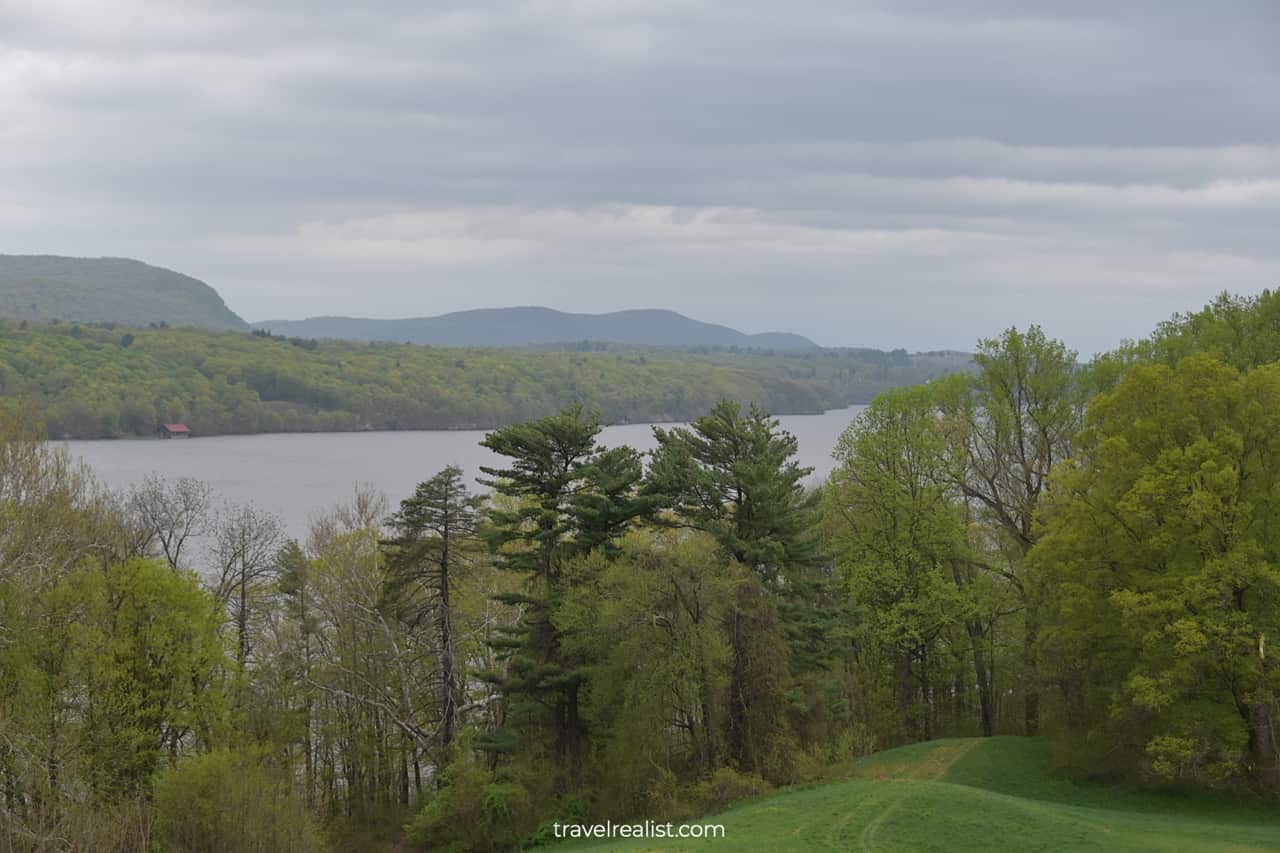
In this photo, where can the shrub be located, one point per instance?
(473, 810)
(78, 827)
(568, 809)
(727, 786)
(228, 802)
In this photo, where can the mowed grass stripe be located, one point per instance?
(977, 795)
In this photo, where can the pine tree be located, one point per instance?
(567, 496)
(733, 475)
(432, 531)
(293, 579)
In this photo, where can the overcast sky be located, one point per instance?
(899, 174)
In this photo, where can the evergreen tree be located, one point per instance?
(293, 579)
(732, 475)
(432, 532)
(568, 496)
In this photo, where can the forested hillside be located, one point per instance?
(530, 326)
(107, 290)
(92, 382)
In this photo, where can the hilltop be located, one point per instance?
(108, 290)
(43, 288)
(533, 326)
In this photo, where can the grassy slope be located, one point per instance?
(960, 795)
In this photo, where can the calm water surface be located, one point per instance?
(299, 475)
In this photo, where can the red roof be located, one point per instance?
(175, 428)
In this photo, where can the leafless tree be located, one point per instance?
(168, 514)
(246, 541)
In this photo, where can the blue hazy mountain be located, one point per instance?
(534, 326)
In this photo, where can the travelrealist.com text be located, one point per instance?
(647, 829)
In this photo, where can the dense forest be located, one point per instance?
(1084, 552)
(101, 382)
(108, 290)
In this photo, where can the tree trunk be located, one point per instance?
(309, 759)
(959, 699)
(242, 623)
(710, 758)
(417, 774)
(1262, 739)
(739, 719)
(576, 734)
(926, 692)
(982, 676)
(405, 746)
(1031, 678)
(905, 694)
(449, 697)
(308, 702)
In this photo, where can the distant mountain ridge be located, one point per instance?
(534, 326)
(129, 292)
(108, 290)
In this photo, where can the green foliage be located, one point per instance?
(653, 621)
(932, 512)
(1159, 556)
(551, 464)
(473, 810)
(654, 643)
(569, 497)
(137, 677)
(364, 706)
(1244, 331)
(94, 386)
(78, 826)
(434, 531)
(110, 668)
(107, 290)
(899, 528)
(1008, 424)
(727, 786)
(230, 802)
(732, 474)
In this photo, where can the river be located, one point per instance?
(297, 475)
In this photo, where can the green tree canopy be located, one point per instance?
(1159, 552)
(733, 474)
(566, 496)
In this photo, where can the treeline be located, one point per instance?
(1087, 552)
(98, 382)
(1102, 538)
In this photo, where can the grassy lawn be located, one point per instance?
(980, 795)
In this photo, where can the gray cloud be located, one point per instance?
(916, 174)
